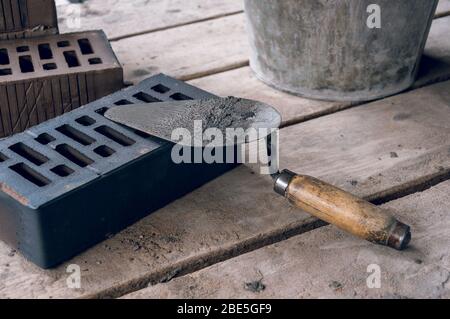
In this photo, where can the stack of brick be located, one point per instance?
(44, 74)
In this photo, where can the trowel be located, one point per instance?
(318, 198)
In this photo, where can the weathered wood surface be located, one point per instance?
(121, 19)
(186, 52)
(375, 144)
(220, 221)
(327, 263)
(206, 48)
(380, 149)
(443, 8)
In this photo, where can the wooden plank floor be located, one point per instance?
(443, 8)
(187, 59)
(435, 67)
(187, 52)
(382, 150)
(123, 19)
(378, 150)
(327, 263)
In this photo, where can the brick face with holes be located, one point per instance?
(70, 182)
(27, 18)
(44, 77)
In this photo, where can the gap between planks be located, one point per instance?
(194, 263)
(435, 68)
(217, 223)
(310, 265)
(230, 10)
(225, 68)
(218, 16)
(198, 263)
(124, 284)
(182, 24)
(222, 69)
(418, 185)
(218, 64)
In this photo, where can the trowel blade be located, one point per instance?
(162, 119)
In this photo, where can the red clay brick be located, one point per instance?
(44, 77)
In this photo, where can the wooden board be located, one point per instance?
(443, 8)
(327, 263)
(378, 150)
(195, 51)
(189, 59)
(187, 52)
(146, 16)
(121, 19)
(241, 82)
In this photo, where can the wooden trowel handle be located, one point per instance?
(343, 209)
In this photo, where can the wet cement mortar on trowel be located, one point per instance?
(221, 114)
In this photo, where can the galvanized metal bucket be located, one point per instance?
(344, 50)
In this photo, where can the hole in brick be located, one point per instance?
(4, 57)
(160, 88)
(49, 66)
(29, 154)
(71, 59)
(74, 155)
(85, 120)
(45, 52)
(144, 97)
(45, 138)
(102, 110)
(115, 136)
(63, 44)
(141, 134)
(123, 102)
(104, 151)
(62, 170)
(23, 48)
(30, 174)
(75, 135)
(180, 97)
(3, 158)
(26, 64)
(4, 72)
(85, 46)
(95, 61)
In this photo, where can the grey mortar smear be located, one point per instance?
(160, 119)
